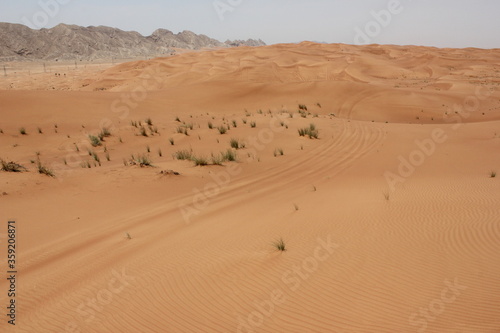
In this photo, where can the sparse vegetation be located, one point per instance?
(183, 155)
(94, 140)
(108, 158)
(493, 174)
(278, 151)
(142, 160)
(149, 122)
(182, 130)
(44, 170)
(302, 107)
(210, 125)
(229, 155)
(217, 159)
(253, 124)
(143, 131)
(310, 131)
(105, 132)
(39, 130)
(22, 130)
(235, 124)
(171, 140)
(279, 245)
(96, 157)
(199, 160)
(237, 144)
(296, 206)
(11, 166)
(387, 196)
(222, 129)
(159, 152)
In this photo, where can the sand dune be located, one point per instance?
(390, 217)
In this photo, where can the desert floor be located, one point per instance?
(391, 217)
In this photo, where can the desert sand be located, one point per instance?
(390, 217)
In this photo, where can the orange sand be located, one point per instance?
(417, 253)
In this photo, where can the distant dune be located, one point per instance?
(173, 177)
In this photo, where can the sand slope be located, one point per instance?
(364, 254)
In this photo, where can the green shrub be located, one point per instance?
(310, 131)
(183, 155)
(94, 140)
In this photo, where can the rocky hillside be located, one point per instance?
(68, 42)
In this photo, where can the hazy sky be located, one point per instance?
(443, 23)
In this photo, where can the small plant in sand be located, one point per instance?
(278, 152)
(493, 174)
(235, 124)
(210, 125)
(108, 158)
(149, 122)
(22, 130)
(96, 158)
(310, 131)
(302, 107)
(279, 245)
(182, 130)
(183, 155)
(237, 144)
(105, 132)
(44, 170)
(387, 196)
(177, 119)
(171, 140)
(229, 156)
(94, 140)
(127, 236)
(11, 166)
(296, 206)
(217, 159)
(199, 160)
(143, 131)
(222, 129)
(160, 152)
(142, 160)
(253, 124)
(39, 130)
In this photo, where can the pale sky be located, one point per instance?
(441, 23)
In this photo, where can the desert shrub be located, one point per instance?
(94, 140)
(11, 166)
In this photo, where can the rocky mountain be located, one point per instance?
(70, 42)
